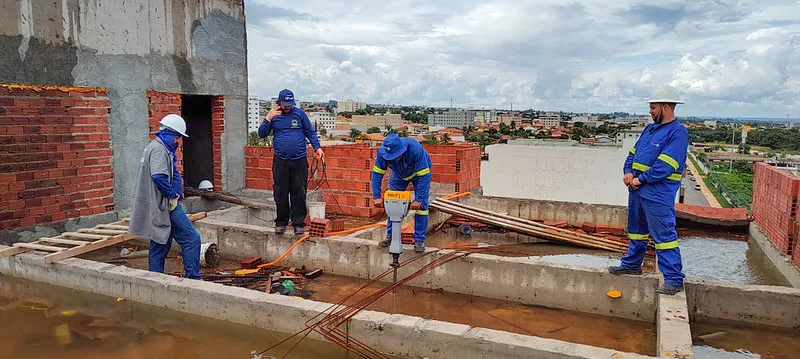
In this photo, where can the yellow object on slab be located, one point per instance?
(614, 294)
(245, 271)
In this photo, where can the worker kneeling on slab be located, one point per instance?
(410, 163)
(653, 172)
(157, 213)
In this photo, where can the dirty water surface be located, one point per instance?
(596, 330)
(43, 321)
(717, 255)
(723, 341)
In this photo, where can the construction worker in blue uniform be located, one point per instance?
(653, 173)
(410, 163)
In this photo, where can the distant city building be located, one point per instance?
(379, 121)
(710, 124)
(452, 118)
(483, 117)
(627, 138)
(550, 119)
(322, 119)
(507, 118)
(253, 114)
(792, 125)
(351, 106)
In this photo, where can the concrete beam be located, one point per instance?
(574, 213)
(517, 279)
(781, 261)
(674, 332)
(757, 304)
(392, 334)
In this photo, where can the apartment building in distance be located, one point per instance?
(509, 117)
(550, 119)
(379, 121)
(253, 111)
(322, 119)
(452, 118)
(351, 106)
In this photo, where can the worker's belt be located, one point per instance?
(640, 167)
(421, 212)
(421, 172)
(638, 236)
(667, 245)
(378, 170)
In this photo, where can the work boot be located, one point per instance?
(617, 270)
(299, 230)
(669, 289)
(419, 247)
(386, 242)
(280, 229)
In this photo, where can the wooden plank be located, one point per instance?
(63, 241)
(12, 251)
(112, 226)
(110, 241)
(39, 247)
(107, 232)
(84, 235)
(197, 216)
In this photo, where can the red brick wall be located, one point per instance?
(55, 154)
(217, 128)
(161, 104)
(349, 169)
(774, 205)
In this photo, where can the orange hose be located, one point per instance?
(303, 238)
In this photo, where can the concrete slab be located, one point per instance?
(765, 305)
(395, 334)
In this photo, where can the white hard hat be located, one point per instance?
(206, 185)
(175, 123)
(664, 94)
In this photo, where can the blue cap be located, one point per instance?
(286, 98)
(392, 148)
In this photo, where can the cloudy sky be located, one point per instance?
(727, 57)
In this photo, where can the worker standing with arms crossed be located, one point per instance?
(653, 172)
(156, 213)
(291, 127)
(410, 163)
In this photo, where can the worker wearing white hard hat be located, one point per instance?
(653, 172)
(156, 212)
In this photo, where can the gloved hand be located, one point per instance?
(173, 203)
(415, 206)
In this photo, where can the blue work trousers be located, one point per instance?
(187, 237)
(420, 216)
(652, 219)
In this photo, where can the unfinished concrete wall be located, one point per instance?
(574, 213)
(130, 47)
(517, 279)
(764, 305)
(568, 174)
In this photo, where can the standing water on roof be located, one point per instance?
(724, 256)
(42, 321)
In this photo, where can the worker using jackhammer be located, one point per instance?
(156, 212)
(410, 163)
(653, 173)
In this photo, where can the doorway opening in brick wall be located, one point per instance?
(198, 148)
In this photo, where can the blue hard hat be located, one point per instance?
(392, 148)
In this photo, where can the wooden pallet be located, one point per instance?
(71, 244)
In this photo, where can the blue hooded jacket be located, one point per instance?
(413, 165)
(291, 131)
(167, 189)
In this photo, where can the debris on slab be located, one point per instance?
(283, 280)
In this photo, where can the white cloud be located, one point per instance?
(729, 58)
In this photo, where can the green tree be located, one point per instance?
(564, 136)
(373, 130)
(744, 149)
(742, 167)
(445, 139)
(323, 132)
(354, 133)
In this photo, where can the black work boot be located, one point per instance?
(617, 270)
(280, 229)
(299, 230)
(386, 242)
(669, 289)
(419, 247)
